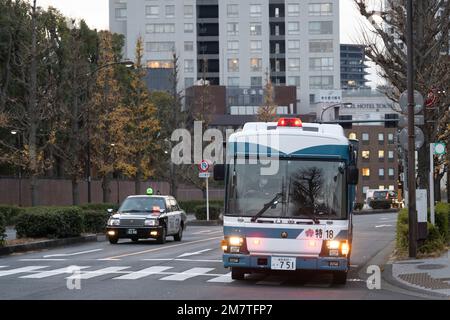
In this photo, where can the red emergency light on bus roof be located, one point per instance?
(290, 122)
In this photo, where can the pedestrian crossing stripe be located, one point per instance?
(46, 274)
(20, 270)
(188, 274)
(143, 273)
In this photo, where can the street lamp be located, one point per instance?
(128, 64)
(16, 134)
(337, 105)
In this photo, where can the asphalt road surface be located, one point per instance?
(187, 270)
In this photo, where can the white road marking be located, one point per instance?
(143, 273)
(208, 232)
(20, 270)
(354, 265)
(50, 273)
(193, 253)
(384, 225)
(184, 260)
(226, 278)
(71, 254)
(97, 273)
(31, 260)
(355, 280)
(188, 274)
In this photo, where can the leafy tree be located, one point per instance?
(267, 112)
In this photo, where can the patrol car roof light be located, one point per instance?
(290, 122)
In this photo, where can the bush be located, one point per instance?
(442, 216)
(99, 206)
(10, 213)
(51, 222)
(190, 205)
(214, 212)
(2, 229)
(95, 221)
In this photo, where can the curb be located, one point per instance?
(201, 223)
(376, 211)
(40, 245)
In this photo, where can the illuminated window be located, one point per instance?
(160, 64)
(380, 154)
(365, 154)
(352, 136)
(233, 65)
(392, 188)
(381, 187)
(255, 29)
(366, 172)
(255, 64)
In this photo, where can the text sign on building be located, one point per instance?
(329, 96)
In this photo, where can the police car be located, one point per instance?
(146, 217)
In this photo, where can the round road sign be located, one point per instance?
(439, 148)
(418, 102)
(419, 138)
(204, 166)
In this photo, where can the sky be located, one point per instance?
(96, 14)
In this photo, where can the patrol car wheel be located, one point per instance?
(113, 240)
(179, 235)
(340, 277)
(162, 237)
(237, 274)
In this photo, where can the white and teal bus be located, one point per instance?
(290, 190)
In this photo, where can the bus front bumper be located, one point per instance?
(302, 263)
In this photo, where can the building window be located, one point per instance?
(391, 172)
(381, 154)
(381, 187)
(391, 188)
(188, 66)
(293, 10)
(188, 27)
(381, 137)
(233, 81)
(233, 46)
(188, 82)
(365, 154)
(160, 64)
(170, 11)
(390, 155)
(233, 10)
(188, 46)
(293, 45)
(365, 172)
(365, 136)
(364, 190)
(160, 28)
(321, 82)
(381, 172)
(152, 11)
(256, 81)
(233, 65)
(188, 11)
(293, 27)
(294, 64)
(352, 136)
(255, 10)
(255, 29)
(167, 46)
(320, 27)
(319, 46)
(320, 9)
(121, 11)
(255, 45)
(233, 29)
(321, 64)
(390, 138)
(294, 81)
(255, 64)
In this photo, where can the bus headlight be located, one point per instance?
(334, 244)
(345, 248)
(236, 241)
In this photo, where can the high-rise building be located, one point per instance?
(353, 67)
(236, 43)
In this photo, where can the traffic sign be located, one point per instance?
(418, 102)
(204, 166)
(419, 138)
(204, 175)
(439, 148)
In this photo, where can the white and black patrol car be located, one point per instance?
(146, 217)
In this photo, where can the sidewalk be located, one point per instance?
(431, 275)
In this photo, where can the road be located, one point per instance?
(187, 270)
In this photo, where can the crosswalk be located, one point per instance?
(121, 273)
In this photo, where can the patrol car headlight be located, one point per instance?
(113, 222)
(151, 222)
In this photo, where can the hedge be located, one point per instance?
(190, 205)
(442, 218)
(214, 212)
(434, 242)
(10, 213)
(95, 221)
(51, 222)
(2, 229)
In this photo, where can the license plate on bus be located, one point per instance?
(283, 263)
(131, 231)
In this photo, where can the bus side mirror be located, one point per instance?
(219, 172)
(352, 175)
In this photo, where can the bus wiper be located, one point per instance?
(134, 211)
(266, 207)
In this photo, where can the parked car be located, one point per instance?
(147, 217)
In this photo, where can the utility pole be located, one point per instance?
(412, 214)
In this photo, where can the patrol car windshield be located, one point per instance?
(306, 189)
(142, 205)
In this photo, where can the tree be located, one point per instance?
(385, 46)
(137, 120)
(267, 112)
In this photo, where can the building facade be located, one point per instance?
(238, 43)
(353, 67)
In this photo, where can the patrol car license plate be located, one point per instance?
(131, 231)
(283, 263)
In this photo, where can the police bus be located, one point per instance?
(290, 190)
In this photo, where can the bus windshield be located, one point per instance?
(300, 189)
